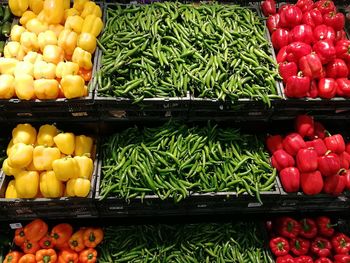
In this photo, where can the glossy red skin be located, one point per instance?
(308, 228)
(346, 174)
(318, 145)
(325, 50)
(330, 183)
(292, 143)
(287, 69)
(279, 246)
(299, 246)
(343, 87)
(297, 87)
(288, 227)
(344, 159)
(272, 22)
(342, 49)
(282, 55)
(302, 33)
(342, 258)
(341, 243)
(291, 16)
(304, 259)
(348, 64)
(280, 38)
(304, 125)
(268, 7)
(325, 6)
(285, 259)
(323, 260)
(323, 251)
(297, 50)
(340, 35)
(335, 143)
(329, 164)
(311, 183)
(324, 226)
(337, 68)
(281, 159)
(313, 89)
(312, 18)
(306, 160)
(274, 143)
(305, 5)
(290, 179)
(340, 187)
(311, 66)
(327, 88)
(323, 32)
(320, 131)
(335, 20)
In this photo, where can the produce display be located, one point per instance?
(166, 49)
(49, 54)
(313, 49)
(5, 27)
(236, 242)
(36, 243)
(174, 161)
(48, 163)
(311, 159)
(309, 240)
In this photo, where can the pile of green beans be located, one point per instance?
(166, 49)
(196, 243)
(173, 161)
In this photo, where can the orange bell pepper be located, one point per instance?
(68, 41)
(13, 257)
(85, 74)
(76, 242)
(68, 256)
(46, 256)
(27, 258)
(88, 256)
(93, 237)
(35, 230)
(24, 87)
(62, 233)
(47, 242)
(46, 89)
(20, 237)
(30, 247)
(53, 11)
(53, 54)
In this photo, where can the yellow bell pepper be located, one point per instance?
(79, 187)
(57, 29)
(24, 87)
(66, 68)
(29, 42)
(47, 38)
(70, 12)
(36, 26)
(65, 142)
(79, 4)
(31, 167)
(46, 134)
(11, 190)
(87, 42)
(43, 157)
(7, 86)
(16, 32)
(24, 67)
(82, 58)
(33, 57)
(24, 133)
(27, 184)
(74, 23)
(66, 4)
(83, 145)
(65, 168)
(14, 50)
(73, 86)
(90, 8)
(92, 24)
(9, 147)
(9, 170)
(18, 7)
(50, 186)
(27, 15)
(68, 41)
(53, 11)
(46, 89)
(36, 6)
(44, 70)
(86, 166)
(8, 65)
(53, 54)
(21, 155)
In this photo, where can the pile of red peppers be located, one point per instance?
(311, 159)
(309, 240)
(312, 49)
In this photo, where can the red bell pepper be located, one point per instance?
(280, 38)
(325, 6)
(305, 5)
(342, 258)
(346, 174)
(343, 87)
(304, 259)
(288, 227)
(329, 164)
(291, 16)
(281, 159)
(306, 160)
(302, 33)
(313, 93)
(323, 260)
(285, 259)
(296, 50)
(297, 86)
(282, 55)
(292, 143)
(325, 228)
(283, 7)
(287, 69)
(308, 228)
(335, 20)
(330, 184)
(290, 179)
(274, 143)
(323, 32)
(311, 66)
(311, 183)
(299, 246)
(47, 242)
(341, 244)
(268, 7)
(337, 68)
(279, 246)
(344, 159)
(327, 88)
(342, 49)
(320, 131)
(272, 22)
(348, 64)
(325, 50)
(340, 187)
(340, 35)
(335, 143)
(318, 146)
(304, 125)
(312, 18)
(321, 247)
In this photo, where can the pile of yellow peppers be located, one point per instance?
(49, 55)
(48, 163)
